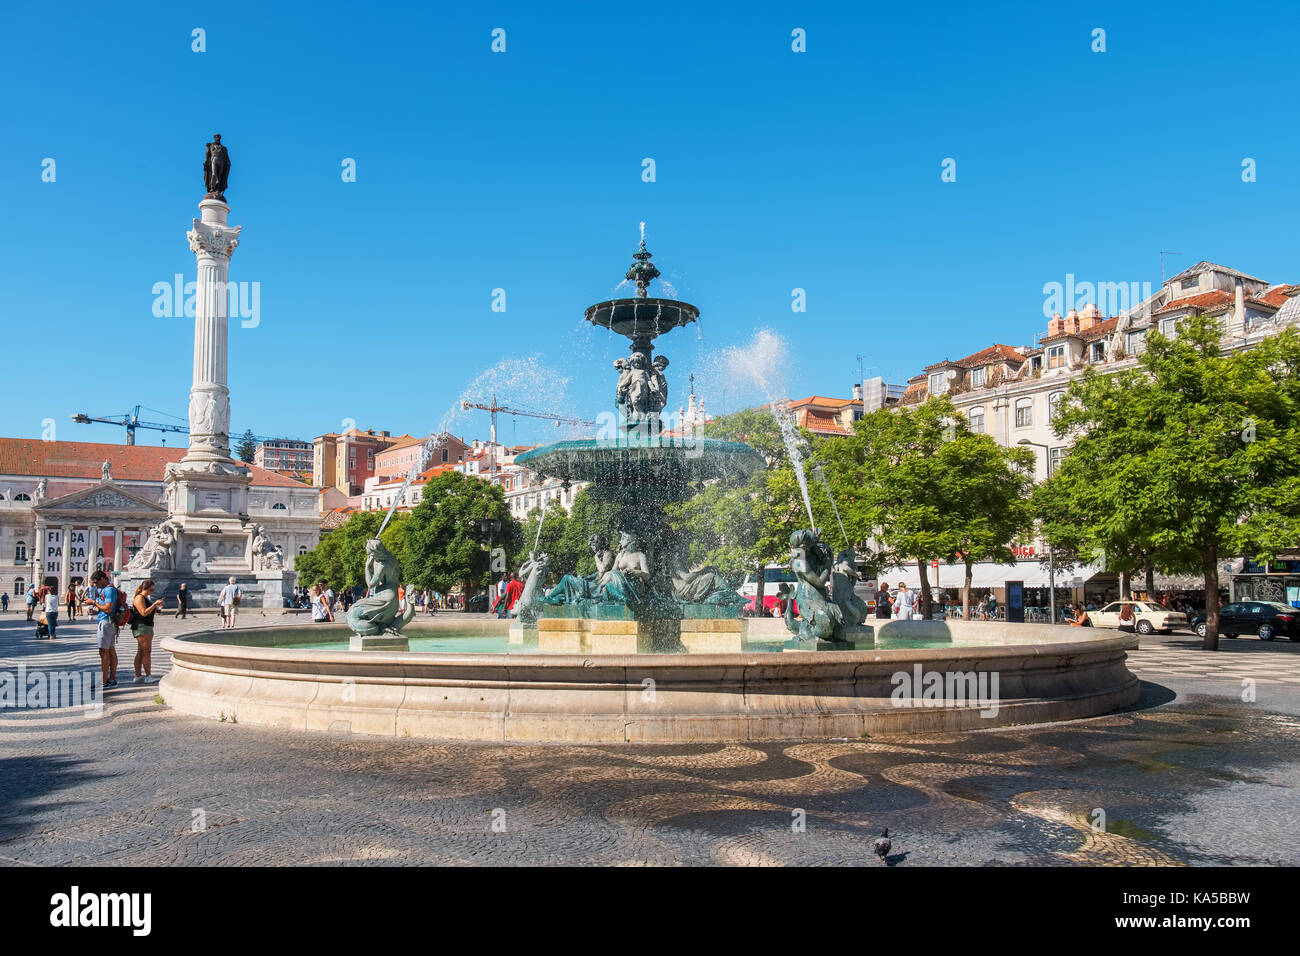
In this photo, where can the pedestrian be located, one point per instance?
(990, 607)
(50, 599)
(4, 602)
(143, 608)
(229, 599)
(182, 602)
(884, 604)
(904, 603)
(1127, 619)
(320, 609)
(331, 598)
(31, 600)
(103, 597)
(70, 599)
(513, 590)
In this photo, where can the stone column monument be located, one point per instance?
(207, 537)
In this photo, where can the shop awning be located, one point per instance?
(989, 575)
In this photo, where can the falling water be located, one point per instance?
(426, 451)
(511, 381)
(537, 542)
(761, 361)
(821, 476)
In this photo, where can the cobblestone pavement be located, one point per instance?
(1193, 776)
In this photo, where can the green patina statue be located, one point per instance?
(824, 611)
(378, 613)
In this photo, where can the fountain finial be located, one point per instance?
(643, 270)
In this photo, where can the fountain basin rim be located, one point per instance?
(190, 645)
(576, 698)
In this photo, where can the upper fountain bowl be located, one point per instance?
(642, 318)
(647, 463)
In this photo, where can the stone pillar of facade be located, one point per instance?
(117, 549)
(38, 554)
(65, 566)
(92, 550)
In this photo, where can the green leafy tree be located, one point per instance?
(444, 543)
(247, 447)
(986, 493)
(1191, 458)
(553, 523)
(925, 488)
(339, 559)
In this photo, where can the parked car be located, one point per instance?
(1150, 617)
(477, 603)
(1268, 619)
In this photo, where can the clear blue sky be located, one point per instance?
(522, 170)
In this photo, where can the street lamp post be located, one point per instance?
(1051, 557)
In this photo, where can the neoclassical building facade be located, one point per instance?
(67, 508)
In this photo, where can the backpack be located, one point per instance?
(122, 610)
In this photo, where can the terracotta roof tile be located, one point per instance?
(825, 424)
(1214, 299)
(913, 395)
(1272, 298)
(80, 459)
(994, 353)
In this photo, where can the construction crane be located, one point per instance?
(131, 421)
(494, 408)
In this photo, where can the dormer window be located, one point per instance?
(978, 377)
(1136, 342)
(938, 383)
(1098, 352)
(1056, 356)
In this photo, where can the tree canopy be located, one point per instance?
(1191, 458)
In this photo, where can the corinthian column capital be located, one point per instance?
(210, 239)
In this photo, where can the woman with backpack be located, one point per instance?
(143, 608)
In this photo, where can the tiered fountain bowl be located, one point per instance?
(665, 671)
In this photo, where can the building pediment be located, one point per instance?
(104, 497)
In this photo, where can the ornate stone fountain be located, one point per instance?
(644, 596)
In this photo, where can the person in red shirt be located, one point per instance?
(514, 588)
